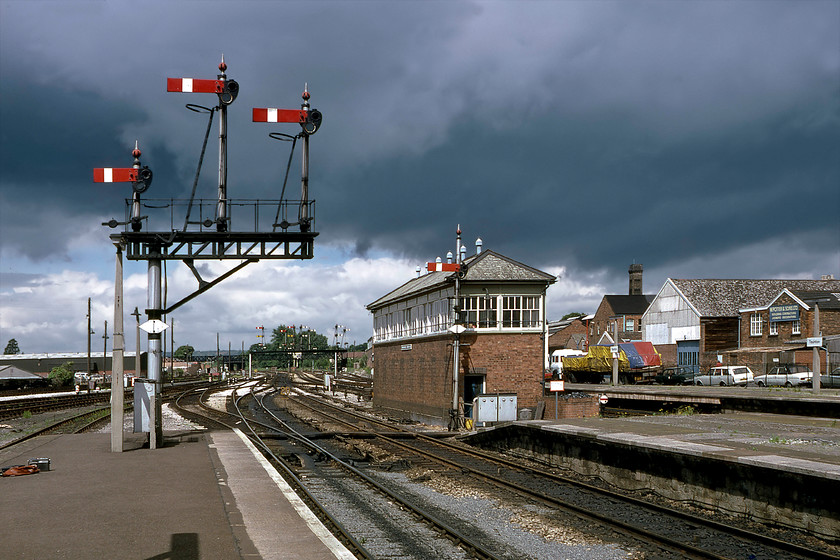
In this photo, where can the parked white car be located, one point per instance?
(725, 375)
(831, 379)
(792, 375)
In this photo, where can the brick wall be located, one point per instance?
(668, 353)
(570, 405)
(560, 339)
(514, 364)
(417, 382)
(829, 325)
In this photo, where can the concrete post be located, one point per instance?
(117, 375)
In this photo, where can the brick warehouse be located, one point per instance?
(502, 349)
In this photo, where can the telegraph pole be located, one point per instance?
(89, 332)
(815, 370)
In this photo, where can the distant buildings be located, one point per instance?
(744, 322)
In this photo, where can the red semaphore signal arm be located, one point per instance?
(114, 174)
(271, 115)
(191, 85)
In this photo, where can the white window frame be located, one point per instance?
(796, 327)
(755, 324)
(773, 329)
(521, 312)
(481, 311)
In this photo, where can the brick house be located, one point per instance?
(502, 348)
(619, 317)
(568, 334)
(777, 331)
(696, 322)
(619, 312)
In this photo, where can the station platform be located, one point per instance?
(780, 469)
(200, 496)
(779, 400)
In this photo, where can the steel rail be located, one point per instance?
(288, 474)
(463, 541)
(683, 516)
(58, 424)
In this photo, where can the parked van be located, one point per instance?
(725, 375)
(556, 359)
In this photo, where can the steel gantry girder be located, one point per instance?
(179, 245)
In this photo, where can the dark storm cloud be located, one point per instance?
(655, 129)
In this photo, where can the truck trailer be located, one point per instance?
(638, 362)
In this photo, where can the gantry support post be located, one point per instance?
(155, 356)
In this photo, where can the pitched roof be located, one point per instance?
(629, 305)
(12, 372)
(724, 298)
(826, 300)
(491, 266)
(487, 266)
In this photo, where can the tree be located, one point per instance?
(570, 315)
(12, 347)
(62, 375)
(184, 353)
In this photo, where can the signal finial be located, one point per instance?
(305, 94)
(222, 65)
(136, 151)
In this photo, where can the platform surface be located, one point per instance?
(797, 443)
(200, 496)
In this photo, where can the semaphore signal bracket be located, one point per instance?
(154, 238)
(212, 235)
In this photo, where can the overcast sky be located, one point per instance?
(701, 139)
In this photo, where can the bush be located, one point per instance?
(62, 376)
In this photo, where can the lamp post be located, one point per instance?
(137, 370)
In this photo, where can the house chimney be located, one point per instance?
(636, 279)
(478, 244)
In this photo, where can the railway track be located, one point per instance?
(37, 405)
(661, 529)
(75, 424)
(372, 525)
